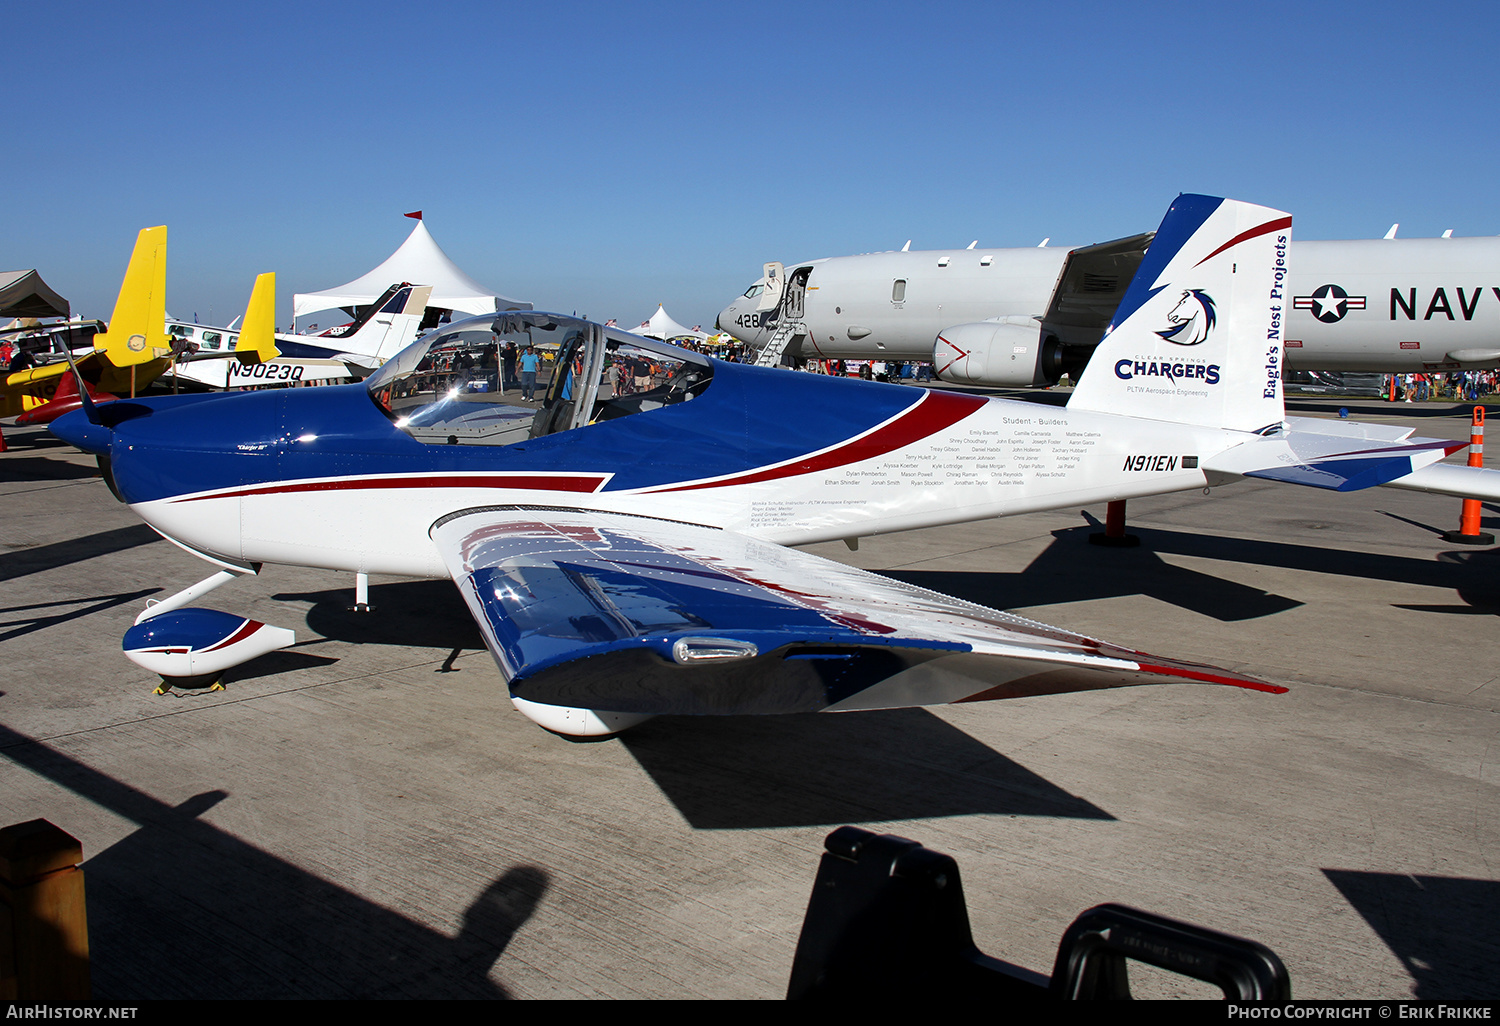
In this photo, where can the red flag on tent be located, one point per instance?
(416, 214)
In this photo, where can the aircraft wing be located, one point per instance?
(34, 375)
(1090, 287)
(28, 389)
(634, 614)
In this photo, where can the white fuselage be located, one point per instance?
(1005, 458)
(1412, 304)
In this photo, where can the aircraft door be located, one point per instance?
(775, 279)
(796, 292)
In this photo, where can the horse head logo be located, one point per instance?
(1192, 317)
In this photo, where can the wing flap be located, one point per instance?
(638, 615)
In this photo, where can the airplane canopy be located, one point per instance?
(663, 327)
(420, 261)
(24, 294)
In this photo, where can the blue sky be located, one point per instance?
(606, 157)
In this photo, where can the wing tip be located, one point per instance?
(1214, 677)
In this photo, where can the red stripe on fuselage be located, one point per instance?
(537, 482)
(934, 412)
(1265, 229)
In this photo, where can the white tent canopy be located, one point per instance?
(663, 327)
(420, 261)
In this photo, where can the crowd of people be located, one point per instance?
(872, 370)
(1461, 386)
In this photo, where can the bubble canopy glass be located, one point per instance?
(460, 385)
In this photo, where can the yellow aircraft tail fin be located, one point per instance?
(257, 342)
(137, 329)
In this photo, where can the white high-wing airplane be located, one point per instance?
(1027, 316)
(349, 352)
(622, 552)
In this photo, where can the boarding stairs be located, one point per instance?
(776, 345)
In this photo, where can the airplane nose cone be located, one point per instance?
(729, 320)
(77, 430)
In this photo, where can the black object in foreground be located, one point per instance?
(887, 918)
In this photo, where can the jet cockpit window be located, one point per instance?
(501, 379)
(755, 290)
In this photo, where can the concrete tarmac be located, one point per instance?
(365, 815)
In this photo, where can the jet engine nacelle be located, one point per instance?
(1008, 351)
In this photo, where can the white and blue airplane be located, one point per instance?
(623, 548)
(345, 353)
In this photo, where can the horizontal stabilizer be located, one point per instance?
(1451, 479)
(1336, 455)
(636, 615)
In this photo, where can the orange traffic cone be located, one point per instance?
(1468, 532)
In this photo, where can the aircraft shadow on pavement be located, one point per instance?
(182, 909)
(39, 468)
(732, 772)
(32, 620)
(1490, 522)
(1070, 570)
(38, 558)
(1440, 927)
(426, 614)
(34, 438)
(269, 665)
(744, 772)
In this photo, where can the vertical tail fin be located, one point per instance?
(389, 325)
(257, 342)
(1197, 338)
(137, 329)
(393, 326)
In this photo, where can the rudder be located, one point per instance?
(137, 329)
(257, 343)
(1198, 337)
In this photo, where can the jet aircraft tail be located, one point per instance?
(137, 328)
(1198, 337)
